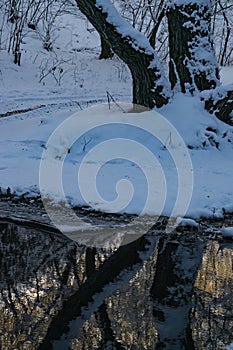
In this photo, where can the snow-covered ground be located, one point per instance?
(79, 77)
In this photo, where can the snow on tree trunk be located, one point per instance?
(193, 64)
(150, 86)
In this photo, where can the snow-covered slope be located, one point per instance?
(79, 77)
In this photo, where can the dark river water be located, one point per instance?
(159, 292)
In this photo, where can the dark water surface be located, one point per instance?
(158, 292)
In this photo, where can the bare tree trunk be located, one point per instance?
(152, 35)
(193, 64)
(106, 51)
(150, 86)
(228, 33)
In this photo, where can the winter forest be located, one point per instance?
(116, 163)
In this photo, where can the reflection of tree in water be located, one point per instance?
(211, 319)
(172, 290)
(171, 296)
(37, 271)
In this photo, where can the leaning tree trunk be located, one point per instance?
(193, 64)
(150, 86)
(106, 51)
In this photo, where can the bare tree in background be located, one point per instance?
(21, 16)
(222, 24)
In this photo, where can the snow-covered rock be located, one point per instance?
(227, 232)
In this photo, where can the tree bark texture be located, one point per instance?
(106, 51)
(193, 64)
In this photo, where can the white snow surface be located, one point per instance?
(23, 136)
(227, 232)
